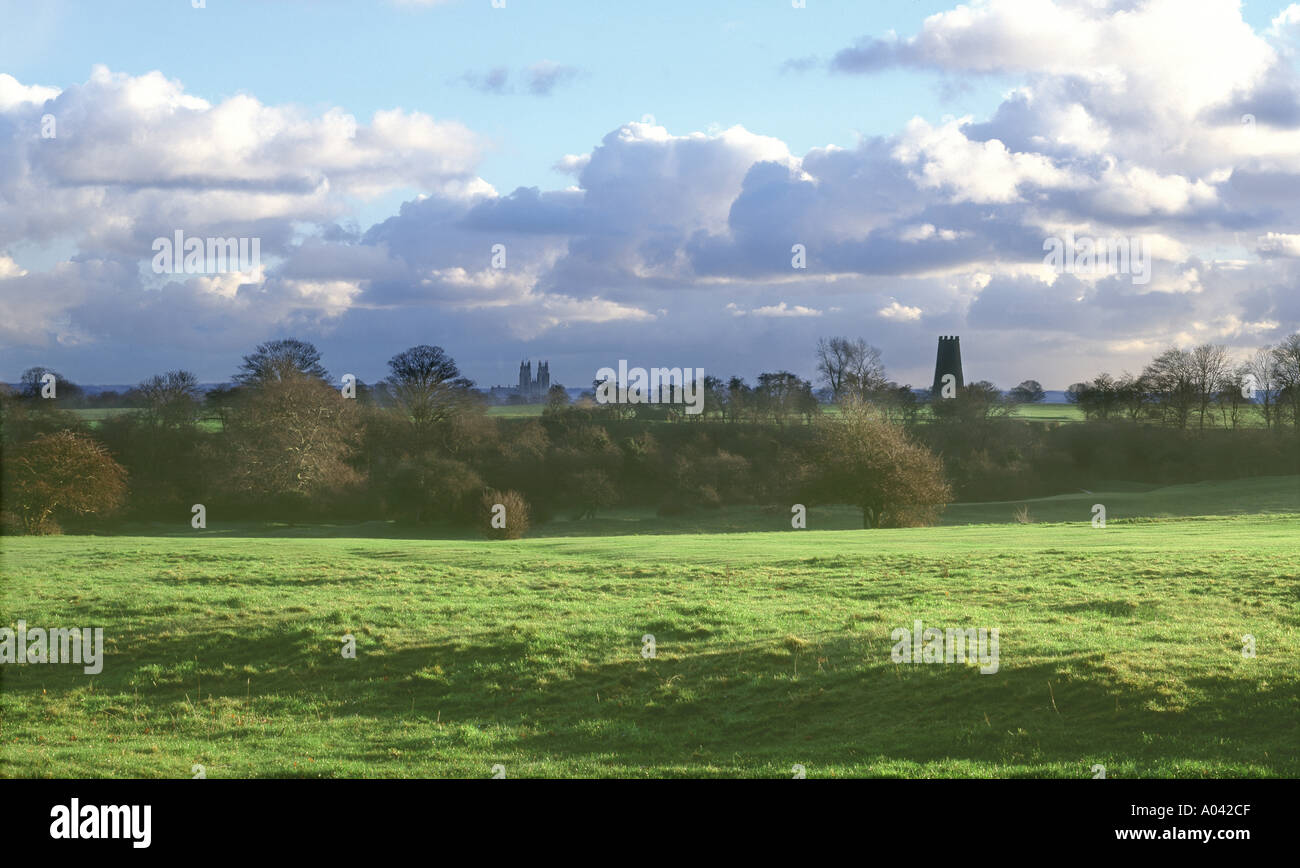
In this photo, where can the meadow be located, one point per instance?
(1034, 412)
(1119, 646)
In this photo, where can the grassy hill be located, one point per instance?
(1119, 646)
(1135, 501)
(1124, 501)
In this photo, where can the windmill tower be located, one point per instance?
(947, 361)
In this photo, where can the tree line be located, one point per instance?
(1199, 387)
(420, 447)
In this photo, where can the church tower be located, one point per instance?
(947, 361)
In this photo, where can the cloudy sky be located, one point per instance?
(648, 170)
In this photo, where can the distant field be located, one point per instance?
(516, 411)
(1050, 412)
(1252, 417)
(1119, 646)
(508, 411)
(94, 416)
(99, 414)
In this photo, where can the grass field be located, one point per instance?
(98, 414)
(1251, 417)
(1119, 646)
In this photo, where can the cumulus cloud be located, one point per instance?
(1268, 245)
(1125, 120)
(900, 312)
(136, 157)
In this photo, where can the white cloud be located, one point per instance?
(137, 156)
(985, 172)
(13, 94)
(1278, 244)
(780, 309)
(899, 312)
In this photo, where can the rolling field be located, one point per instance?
(1119, 646)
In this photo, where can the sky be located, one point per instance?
(586, 182)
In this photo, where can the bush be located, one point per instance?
(515, 518)
(64, 474)
(870, 462)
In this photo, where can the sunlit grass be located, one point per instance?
(1119, 646)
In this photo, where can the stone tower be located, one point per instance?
(534, 390)
(947, 361)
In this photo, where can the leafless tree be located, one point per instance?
(1172, 382)
(1260, 371)
(1286, 361)
(851, 368)
(1211, 370)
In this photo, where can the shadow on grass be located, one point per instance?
(830, 701)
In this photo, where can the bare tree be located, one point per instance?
(31, 387)
(426, 384)
(1211, 370)
(781, 395)
(294, 436)
(850, 367)
(1171, 380)
(1260, 372)
(275, 361)
(171, 400)
(1286, 361)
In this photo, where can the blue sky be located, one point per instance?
(764, 125)
(691, 65)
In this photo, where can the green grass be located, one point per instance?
(1125, 500)
(94, 416)
(1252, 417)
(1118, 646)
(516, 411)
(99, 414)
(1049, 412)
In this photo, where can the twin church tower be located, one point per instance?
(534, 390)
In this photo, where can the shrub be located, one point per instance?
(515, 518)
(870, 462)
(64, 474)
